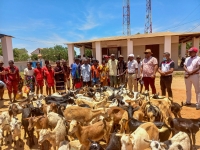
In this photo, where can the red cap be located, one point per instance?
(193, 49)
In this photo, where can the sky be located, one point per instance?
(45, 23)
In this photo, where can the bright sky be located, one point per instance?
(50, 22)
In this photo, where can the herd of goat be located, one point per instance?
(100, 118)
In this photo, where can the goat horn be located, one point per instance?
(148, 141)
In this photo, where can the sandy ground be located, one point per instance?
(178, 87)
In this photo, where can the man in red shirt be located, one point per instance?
(45, 69)
(12, 80)
(49, 77)
(39, 75)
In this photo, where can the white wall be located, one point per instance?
(174, 54)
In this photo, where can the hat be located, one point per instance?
(138, 56)
(1, 62)
(121, 56)
(148, 51)
(39, 55)
(193, 49)
(131, 55)
(106, 56)
(112, 55)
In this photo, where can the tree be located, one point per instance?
(88, 52)
(20, 54)
(34, 57)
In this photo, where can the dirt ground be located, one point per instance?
(178, 87)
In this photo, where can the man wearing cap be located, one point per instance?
(191, 67)
(138, 58)
(112, 66)
(166, 69)
(121, 68)
(40, 59)
(132, 71)
(148, 71)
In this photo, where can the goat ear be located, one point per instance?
(148, 141)
(118, 134)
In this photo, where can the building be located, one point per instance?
(37, 51)
(158, 42)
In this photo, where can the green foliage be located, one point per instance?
(188, 45)
(34, 57)
(20, 54)
(88, 52)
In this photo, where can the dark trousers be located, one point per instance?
(86, 83)
(149, 81)
(165, 83)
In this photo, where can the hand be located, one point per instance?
(190, 73)
(162, 73)
(153, 76)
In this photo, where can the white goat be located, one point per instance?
(64, 145)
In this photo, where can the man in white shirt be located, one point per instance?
(132, 71)
(86, 73)
(112, 66)
(191, 67)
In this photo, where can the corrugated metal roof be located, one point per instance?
(149, 35)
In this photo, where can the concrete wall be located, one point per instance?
(21, 65)
(174, 54)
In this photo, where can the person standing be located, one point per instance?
(59, 77)
(66, 70)
(39, 76)
(121, 68)
(132, 71)
(49, 77)
(29, 77)
(12, 80)
(95, 72)
(76, 71)
(86, 73)
(148, 71)
(191, 67)
(41, 60)
(112, 66)
(138, 58)
(2, 79)
(166, 69)
(103, 73)
(45, 68)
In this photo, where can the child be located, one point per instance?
(95, 73)
(38, 73)
(49, 74)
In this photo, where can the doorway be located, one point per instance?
(154, 50)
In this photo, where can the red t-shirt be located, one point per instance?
(49, 76)
(44, 68)
(38, 74)
(12, 76)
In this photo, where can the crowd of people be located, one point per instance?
(111, 72)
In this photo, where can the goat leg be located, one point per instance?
(20, 142)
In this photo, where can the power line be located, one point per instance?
(180, 24)
(194, 28)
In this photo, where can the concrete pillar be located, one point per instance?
(183, 49)
(98, 51)
(167, 44)
(129, 47)
(7, 49)
(70, 53)
(82, 51)
(195, 42)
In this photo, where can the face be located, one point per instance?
(86, 61)
(11, 64)
(138, 59)
(192, 54)
(113, 57)
(47, 62)
(95, 63)
(49, 68)
(1, 64)
(38, 65)
(121, 58)
(130, 58)
(64, 63)
(58, 63)
(147, 55)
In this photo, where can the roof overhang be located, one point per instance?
(2, 35)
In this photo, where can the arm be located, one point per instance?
(136, 72)
(155, 69)
(171, 70)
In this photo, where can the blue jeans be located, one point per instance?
(95, 81)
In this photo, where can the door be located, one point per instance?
(154, 50)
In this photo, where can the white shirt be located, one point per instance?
(192, 63)
(131, 66)
(139, 67)
(28, 72)
(112, 65)
(86, 72)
